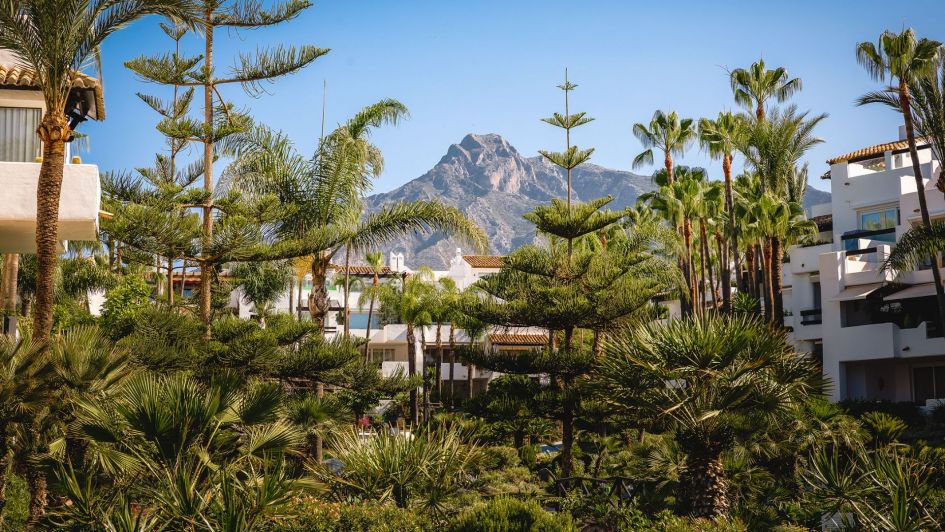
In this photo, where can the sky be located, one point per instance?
(491, 66)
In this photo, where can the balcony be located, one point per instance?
(865, 265)
(812, 316)
(805, 259)
(79, 205)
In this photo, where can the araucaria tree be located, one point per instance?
(57, 39)
(703, 378)
(220, 120)
(575, 281)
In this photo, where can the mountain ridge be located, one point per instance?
(484, 176)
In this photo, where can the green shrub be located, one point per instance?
(499, 457)
(318, 516)
(510, 515)
(905, 411)
(667, 522)
(17, 509)
(122, 304)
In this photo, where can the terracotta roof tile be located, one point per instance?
(518, 339)
(362, 269)
(484, 261)
(877, 149)
(14, 75)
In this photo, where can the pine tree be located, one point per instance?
(584, 276)
(220, 119)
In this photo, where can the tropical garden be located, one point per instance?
(133, 398)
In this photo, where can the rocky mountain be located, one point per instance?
(494, 184)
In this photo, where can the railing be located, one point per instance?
(849, 239)
(811, 316)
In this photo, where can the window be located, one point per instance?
(878, 219)
(381, 355)
(928, 383)
(18, 139)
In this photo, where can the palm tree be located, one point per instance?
(701, 377)
(410, 300)
(328, 193)
(57, 48)
(905, 60)
(375, 261)
(262, 283)
(773, 148)
(755, 85)
(721, 138)
(669, 134)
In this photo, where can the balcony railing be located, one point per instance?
(811, 316)
(851, 239)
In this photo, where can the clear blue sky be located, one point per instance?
(490, 66)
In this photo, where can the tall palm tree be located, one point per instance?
(57, 39)
(701, 378)
(665, 132)
(410, 300)
(375, 261)
(904, 60)
(721, 138)
(755, 85)
(774, 148)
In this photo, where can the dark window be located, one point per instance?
(923, 384)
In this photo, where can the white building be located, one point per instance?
(21, 109)
(874, 329)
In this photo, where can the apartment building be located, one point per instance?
(875, 330)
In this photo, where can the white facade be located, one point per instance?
(873, 328)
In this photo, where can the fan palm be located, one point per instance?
(755, 85)
(665, 132)
(904, 60)
(701, 377)
(721, 138)
(57, 39)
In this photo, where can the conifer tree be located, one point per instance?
(220, 119)
(591, 283)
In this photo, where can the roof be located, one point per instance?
(362, 269)
(484, 261)
(824, 222)
(872, 151)
(14, 74)
(518, 339)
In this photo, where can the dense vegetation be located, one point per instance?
(164, 411)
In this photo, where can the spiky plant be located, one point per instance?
(701, 377)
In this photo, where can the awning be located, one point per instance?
(919, 290)
(853, 293)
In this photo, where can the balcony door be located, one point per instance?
(18, 139)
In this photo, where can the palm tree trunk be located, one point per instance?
(207, 230)
(733, 235)
(347, 288)
(452, 361)
(318, 296)
(370, 316)
(36, 482)
(439, 364)
(11, 268)
(750, 262)
(53, 132)
(766, 276)
(704, 486)
(183, 278)
(689, 273)
(776, 270)
(423, 373)
(668, 163)
(704, 263)
(412, 371)
(905, 101)
(720, 252)
(298, 298)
